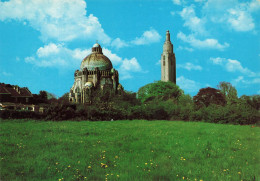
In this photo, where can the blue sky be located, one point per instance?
(42, 42)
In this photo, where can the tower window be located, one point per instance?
(163, 63)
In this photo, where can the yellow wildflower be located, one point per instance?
(145, 163)
(239, 173)
(89, 166)
(117, 175)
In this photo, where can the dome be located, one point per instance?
(96, 59)
(96, 45)
(89, 84)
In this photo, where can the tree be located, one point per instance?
(159, 90)
(228, 91)
(40, 98)
(64, 99)
(207, 96)
(253, 101)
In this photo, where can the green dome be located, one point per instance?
(96, 59)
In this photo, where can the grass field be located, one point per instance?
(128, 150)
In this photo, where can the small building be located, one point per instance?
(96, 73)
(13, 97)
(15, 94)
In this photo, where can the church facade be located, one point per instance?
(168, 61)
(96, 73)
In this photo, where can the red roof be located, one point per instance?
(15, 91)
(3, 89)
(24, 92)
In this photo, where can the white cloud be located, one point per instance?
(202, 44)
(158, 62)
(62, 20)
(188, 85)
(185, 48)
(243, 81)
(60, 57)
(189, 66)
(115, 59)
(172, 13)
(178, 2)
(118, 43)
(150, 36)
(232, 66)
(253, 6)
(128, 66)
(240, 20)
(57, 55)
(234, 14)
(197, 25)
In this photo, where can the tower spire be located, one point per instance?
(168, 38)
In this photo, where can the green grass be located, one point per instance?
(128, 150)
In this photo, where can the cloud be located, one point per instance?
(115, 59)
(150, 36)
(197, 25)
(185, 48)
(232, 66)
(118, 43)
(240, 20)
(202, 44)
(57, 55)
(177, 2)
(158, 62)
(128, 66)
(60, 57)
(242, 80)
(234, 14)
(189, 66)
(62, 20)
(188, 85)
(6, 74)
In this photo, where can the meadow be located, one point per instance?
(128, 150)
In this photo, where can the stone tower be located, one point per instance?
(168, 61)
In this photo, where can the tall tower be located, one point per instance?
(168, 61)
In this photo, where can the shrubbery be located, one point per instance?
(209, 105)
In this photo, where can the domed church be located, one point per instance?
(96, 73)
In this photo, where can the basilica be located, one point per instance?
(96, 73)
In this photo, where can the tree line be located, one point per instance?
(154, 101)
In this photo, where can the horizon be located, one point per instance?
(42, 43)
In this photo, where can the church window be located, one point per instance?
(164, 57)
(163, 63)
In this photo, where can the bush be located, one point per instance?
(13, 114)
